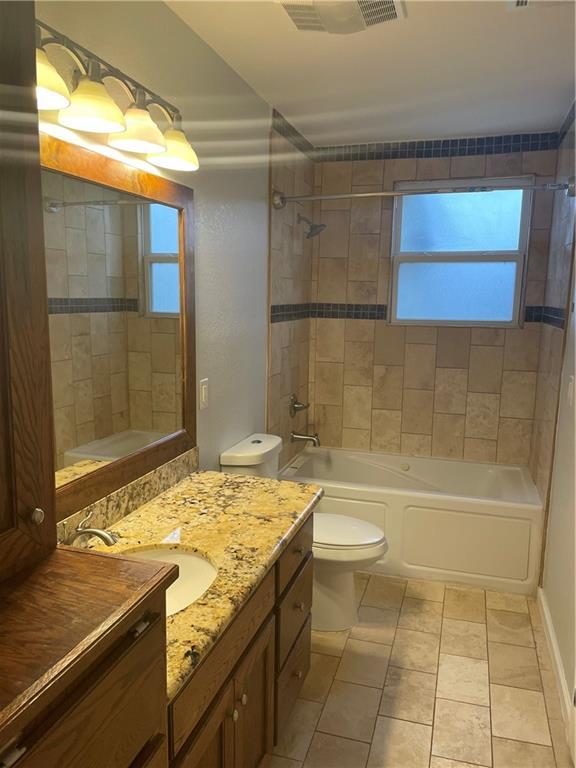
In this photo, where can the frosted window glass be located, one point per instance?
(456, 291)
(461, 221)
(165, 287)
(163, 229)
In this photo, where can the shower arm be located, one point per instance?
(279, 200)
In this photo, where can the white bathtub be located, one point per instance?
(448, 520)
(112, 447)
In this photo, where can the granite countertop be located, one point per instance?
(79, 469)
(240, 524)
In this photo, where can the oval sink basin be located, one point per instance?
(196, 575)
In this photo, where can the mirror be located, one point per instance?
(114, 294)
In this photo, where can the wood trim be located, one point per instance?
(26, 385)
(78, 162)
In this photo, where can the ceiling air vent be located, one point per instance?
(342, 17)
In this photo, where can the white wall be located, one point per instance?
(229, 126)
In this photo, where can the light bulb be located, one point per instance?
(141, 135)
(179, 155)
(51, 90)
(92, 109)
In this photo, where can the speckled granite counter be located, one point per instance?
(240, 524)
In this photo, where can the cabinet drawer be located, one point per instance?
(296, 552)
(108, 718)
(293, 610)
(292, 676)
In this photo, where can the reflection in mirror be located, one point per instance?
(114, 305)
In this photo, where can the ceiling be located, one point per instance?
(468, 68)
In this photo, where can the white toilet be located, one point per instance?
(341, 546)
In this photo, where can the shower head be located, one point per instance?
(313, 229)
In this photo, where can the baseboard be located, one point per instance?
(564, 688)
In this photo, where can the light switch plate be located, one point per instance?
(203, 392)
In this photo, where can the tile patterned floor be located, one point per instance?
(432, 676)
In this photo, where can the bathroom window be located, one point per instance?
(161, 264)
(458, 257)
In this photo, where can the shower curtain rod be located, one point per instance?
(279, 200)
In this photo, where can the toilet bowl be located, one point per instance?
(341, 544)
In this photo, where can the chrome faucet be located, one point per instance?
(107, 537)
(314, 439)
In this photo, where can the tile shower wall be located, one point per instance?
(447, 392)
(111, 370)
(557, 295)
(290, 283)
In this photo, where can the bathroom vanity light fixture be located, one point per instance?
(92, 109)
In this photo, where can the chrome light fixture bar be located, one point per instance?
(90, 108)
(280, 201)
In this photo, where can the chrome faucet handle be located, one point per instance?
(296, 406)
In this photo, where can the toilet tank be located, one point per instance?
(255, 455)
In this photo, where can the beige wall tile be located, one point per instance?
(332, 280)
(140, 371)
(521, 348)
(363, 257)
(478, 449)
(334, 239)
(60, 337)
(83, 401)
(417, 411)
(485, 372)
(76, 254)
(95, 234)
(365, 214)
(450, 390)
(421, 334)
(359, 330)
(453, 347)
(359, 363)
(330, 340)
(389, 344)
(141, 410)
(328, 424)
(62, 383)
(542, 162)
(101, 375)
(357, 408)
(420, 366)
(367, 172)
(538, 254)
(386, 430)
(488, 336)
(399, 170)
(514, 437)
(361, 293)
(383, 285)
(433, 168)
(448, 435)
(164, 352)
(504, 165)
(56, 273)
(387, 387)
(164, 392)
(518, 394)
(64, 428)
(102, 417)
(416, 445)
(356, 438)
(329, 383)
(468, 166)
(482, 415)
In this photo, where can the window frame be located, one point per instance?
(149, 258)
(519, 256)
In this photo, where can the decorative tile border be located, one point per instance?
(280, 313)
(286, 129)
(67, 306)
(567, 124)
(479, 145)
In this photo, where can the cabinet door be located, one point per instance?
(26, 462)
(254, 701)
(213, 746)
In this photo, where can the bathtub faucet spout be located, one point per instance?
(314, 439)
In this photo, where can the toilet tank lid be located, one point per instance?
(253, 450)
(343, 531)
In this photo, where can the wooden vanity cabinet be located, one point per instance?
(27, 521)
(232, 709)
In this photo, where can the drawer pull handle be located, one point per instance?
(9, 758)
(244, 699)
(299, 674)
(141, 627)
(235, 715)
(299, 551)
(299, 607)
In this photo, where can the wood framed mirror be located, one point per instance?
(120, 272)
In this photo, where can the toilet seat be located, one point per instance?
(339, 538)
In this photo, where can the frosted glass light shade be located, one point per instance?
(92, 109)
(141, 135)
(51, 90)
(179, 155)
